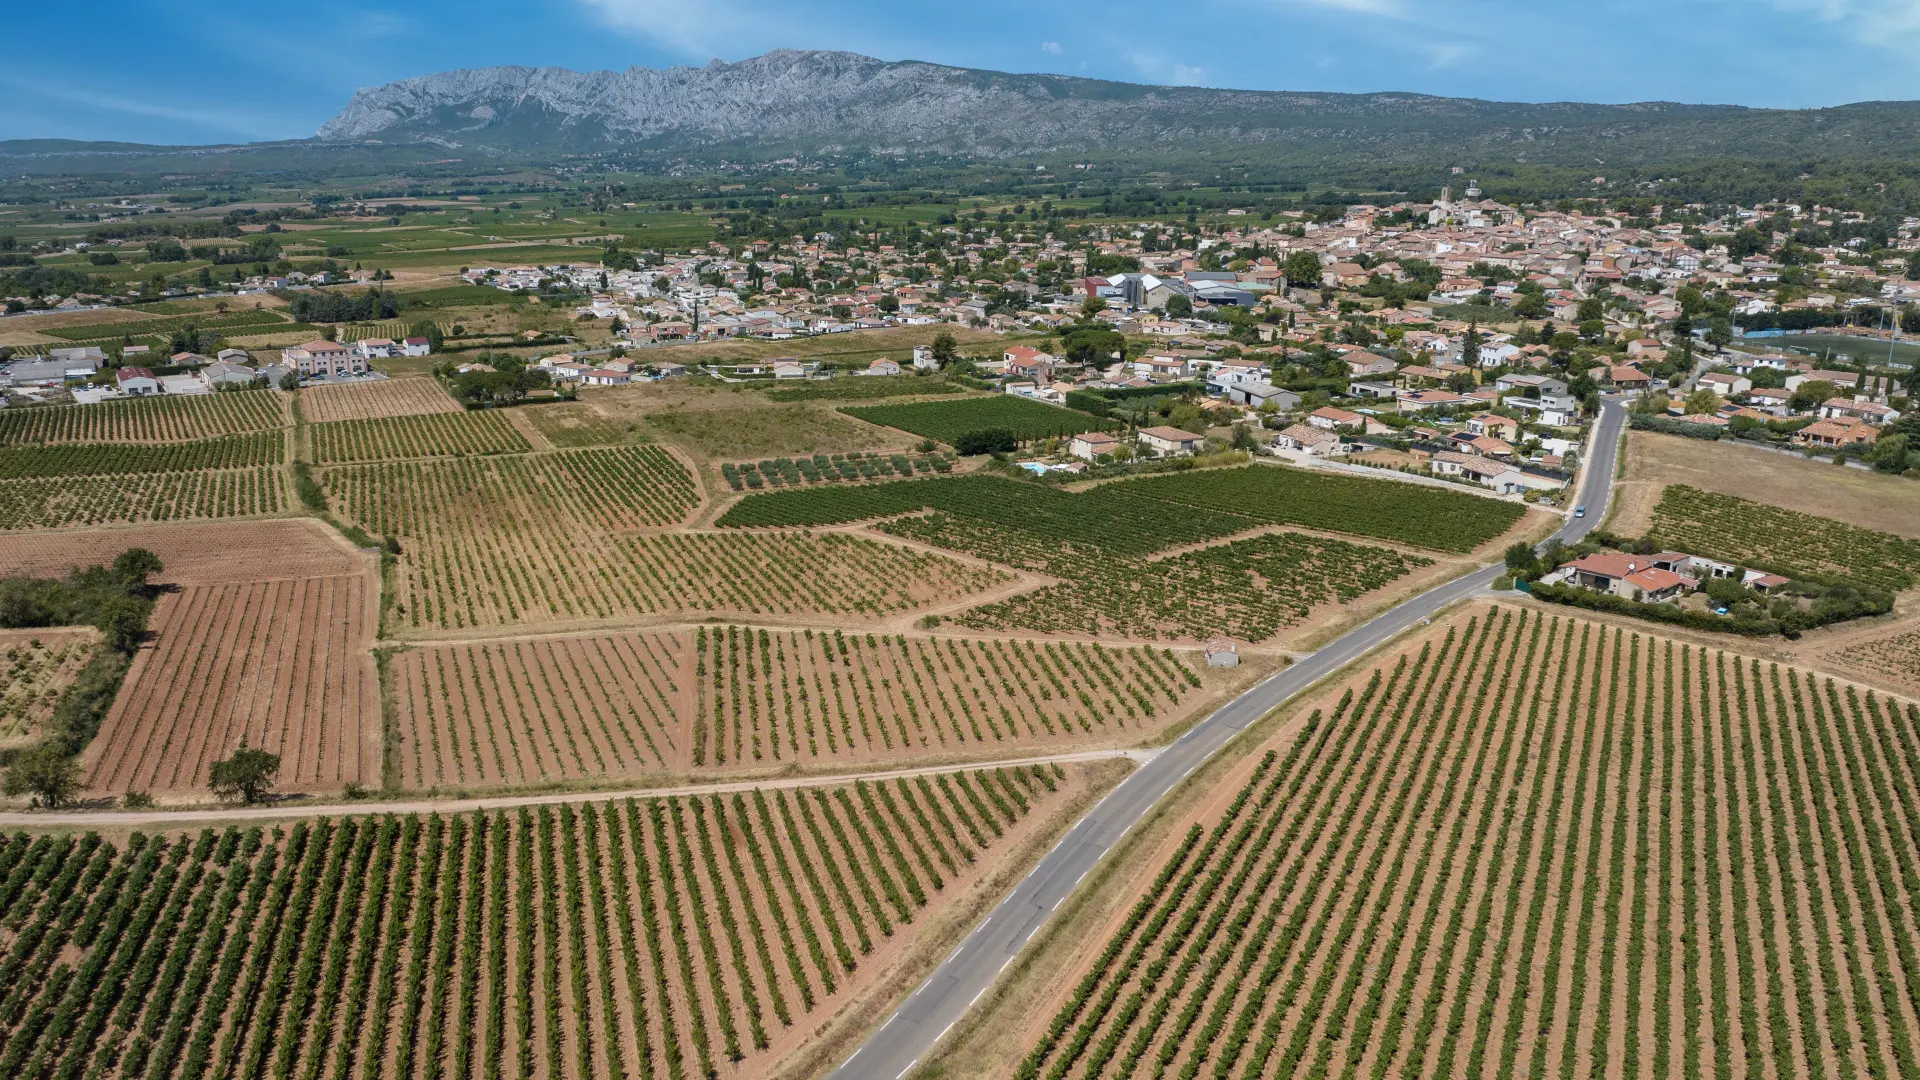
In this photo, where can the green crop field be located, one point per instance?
(429, 435)
(665, 937)
(98, 459)
(852, 388)
(141, 497)
(1249, 589)
(1106, 517)
(1384, 509)
(1524, 846)
(945, 421)
(1784, 541)
(145, 420)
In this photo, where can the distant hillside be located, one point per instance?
(789, 100)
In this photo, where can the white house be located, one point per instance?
(1092, 444)
(923, 358)
(1169, 441)
(882, 366)
(324, 358)
(372, 347)
(1309, 440)
(416, 346)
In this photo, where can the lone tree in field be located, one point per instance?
(42, 771)
(246, 776)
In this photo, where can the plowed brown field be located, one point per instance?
(194, 554)
(282, 664)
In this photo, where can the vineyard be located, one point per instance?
(1528, 846)
(60, 503)
(36, 667)
(631, 703)
(945, 421)
(864, 388)
(825, 468)
(146, 420)
(1248, 589)
(1784, 541)
(430, 435)
(282, 664)
(101, 459)
(794, 573)
(1893, 656)
(497, 540)
(330, 402)
(1384, 509)
(255, 321)
(1106, 517)
(674, 938)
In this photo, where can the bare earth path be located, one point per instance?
(450, 807)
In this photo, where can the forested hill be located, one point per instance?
(791, 100)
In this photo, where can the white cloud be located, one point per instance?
(1052, 47)
(1358, 7)
(694, 30)
(1187, 76)
(244, 124)
(1159, 69)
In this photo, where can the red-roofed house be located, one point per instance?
(137, 381)
(1633, 577)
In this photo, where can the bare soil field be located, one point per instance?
(1518, 844)
(283, 665)
(1866, 499)
(740, 936)
(714, 699)
(375, 400)
(36, 667)
(193, 554)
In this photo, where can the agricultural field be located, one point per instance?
(1522, 845)
(146, 420)
(695, 936)
(1424, 517)
(629, 704)
(228, 323)
(945, 421)
(829, 468)
(793, 573)
(36, 667)
(490, 541)
(864, 388)
(194, 553)
(454, 434)
(103, 459)
(143, 497)
(1871, 500)
(1893, 656)
(1249, 589)
(281, 664)
(1784, 541)
(746, 431)
(1107, 517)
(378, 400)
(575, 423)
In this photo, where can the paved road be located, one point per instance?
(965, 975)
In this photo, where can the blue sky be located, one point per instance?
(170, 71)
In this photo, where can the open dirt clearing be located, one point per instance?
(1869, 500)
(1525, 839)
(283, 665)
